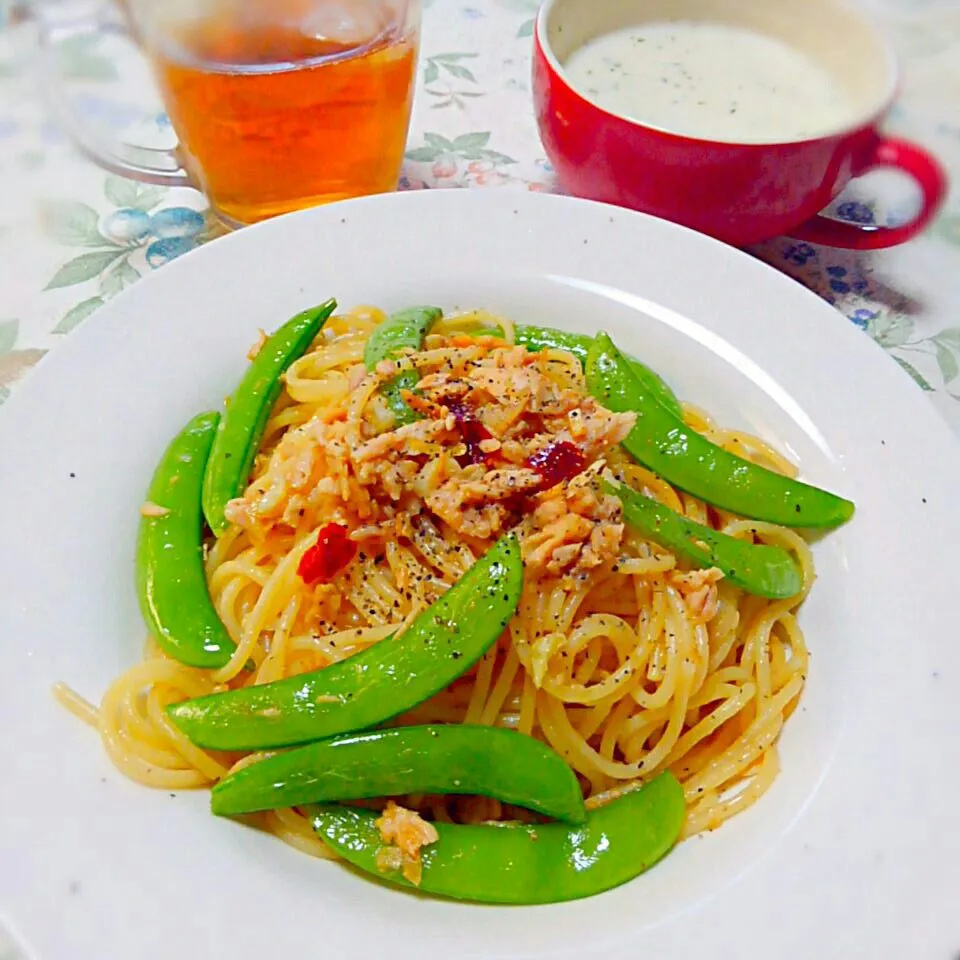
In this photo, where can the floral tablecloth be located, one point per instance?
(72, 237)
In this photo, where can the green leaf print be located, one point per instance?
(918, 377)
(528, 7)
(122, 192)
(471, 141)
(891, 330)
(948, 338)
(468, 146)
(448, 63)
(439, 143)
(423, 154)
(947, 361)
(78, 314)
(495, 157)
(79, 60)
(461, 73)
(948, 227)
(8, 334)
(526, 29)
(83, 268)
(71, 223)
(117, 278)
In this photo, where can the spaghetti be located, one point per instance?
(620, 657)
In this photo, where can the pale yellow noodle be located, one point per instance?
(192, 755)
(494, 707)
(79, 706)
(295, 830)
(481, 686)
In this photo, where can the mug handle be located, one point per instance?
(917, 163)
(148, 164)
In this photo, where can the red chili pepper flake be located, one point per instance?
(328, 556)
(472, 432)
(557, 462)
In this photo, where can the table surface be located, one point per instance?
(73, 237)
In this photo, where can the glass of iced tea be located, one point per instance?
(277, 104)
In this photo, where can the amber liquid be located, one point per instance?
(270, 120)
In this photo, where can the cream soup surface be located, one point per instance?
(712, 81)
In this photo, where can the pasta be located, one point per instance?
(625, 661)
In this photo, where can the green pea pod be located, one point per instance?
(520, 864)
(376, 684)
(441, 758)
(536, 339)
(249, 408)
(171, 582)
(759, 569)
(401, 331)
(661, 441)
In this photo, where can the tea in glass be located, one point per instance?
(284, 104)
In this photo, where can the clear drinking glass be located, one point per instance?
(277, 104)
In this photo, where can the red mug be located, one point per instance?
(741, 193)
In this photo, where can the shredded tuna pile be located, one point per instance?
(505, 438)
(404, 833)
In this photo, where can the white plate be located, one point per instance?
(855, 852)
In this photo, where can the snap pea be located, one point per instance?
(171, 583)
(438, 758)
(248, 410)
(663, 442)
(376, 684)
(400, 331)
(520, 864)
(759, 569)
(536, 339)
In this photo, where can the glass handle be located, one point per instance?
(149, 164)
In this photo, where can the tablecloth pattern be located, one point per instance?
(73, 237)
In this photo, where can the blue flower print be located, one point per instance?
(132, 235)
(472, 13)
(176, 222)
(861, 318)
(855, 212)
(837, 283)
(842, 282)
(126, 225)
(799, 253)
(176, 230)
(163, 251)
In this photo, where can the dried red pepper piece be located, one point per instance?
(557, 462)
(472, 432)
(328, 556)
